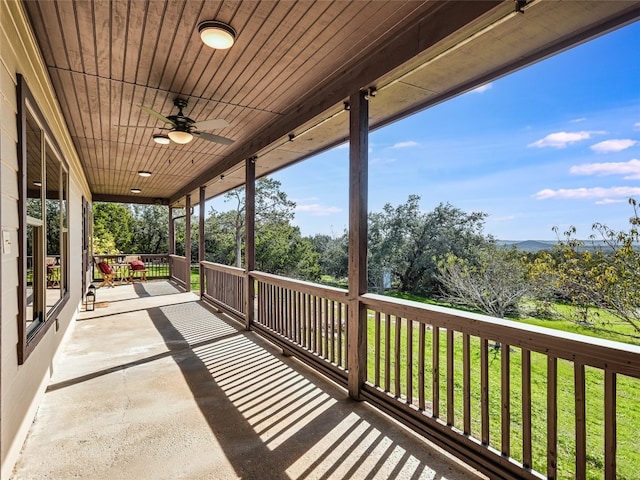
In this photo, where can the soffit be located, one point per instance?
(292, 68)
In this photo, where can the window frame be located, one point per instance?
(28, 340)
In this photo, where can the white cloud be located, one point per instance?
(587, 193)
(630, 169)
(562, 139)
(608, 201)
(616, 145)
(636, 126)
(317, 209)
(405, 144)
(482, 88)
(578, 120)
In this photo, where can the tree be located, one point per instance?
(150, 229)
(408, 243)
(112, 225)
(333, 254)
(271, 205)
(603, 275)
(494, 281)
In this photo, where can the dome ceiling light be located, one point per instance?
(161, 139)
(216, 34)
(180, 136)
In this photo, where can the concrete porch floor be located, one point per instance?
(156, 385)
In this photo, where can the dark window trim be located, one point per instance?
(27, 345)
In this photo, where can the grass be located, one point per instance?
(628, 393)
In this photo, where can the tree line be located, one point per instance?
(442, 254)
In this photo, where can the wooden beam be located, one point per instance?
(250, 239)
(135, 199)
(358, 204)
(172, 233)
(187, 242)
(202, 254)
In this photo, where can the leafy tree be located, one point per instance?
(150, 229)
(112, 225)
(409, 243)
(494, 281)
(605, 276)
(333, 254)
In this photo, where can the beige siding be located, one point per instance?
(22, 386)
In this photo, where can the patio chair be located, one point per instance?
(138, 270)
(106, 273)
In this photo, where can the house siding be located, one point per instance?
(22, 386)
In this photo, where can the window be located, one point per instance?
(44, 246)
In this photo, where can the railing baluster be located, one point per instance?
(466, 383)
(325, 333)
(580, 416)
(505, 374)
(526, 409)
(552, 417)
(484, 390)
(340, 332)
(387, 352)
(396, 356)
(421, 365)
(376, 346)
(409, 380)
(435, 371)
(450, 379)
(610, 426)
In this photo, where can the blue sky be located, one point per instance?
(555, 144)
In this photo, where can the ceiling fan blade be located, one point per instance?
(214, 138)
(155, 114)
(212, 124)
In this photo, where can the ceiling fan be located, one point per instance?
(183, 128)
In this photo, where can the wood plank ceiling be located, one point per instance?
(293, 66)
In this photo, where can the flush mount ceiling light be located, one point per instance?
(142, 173)
(161, 139)
(135, 190)
(180, 136)
(216, 34)
(37, 184)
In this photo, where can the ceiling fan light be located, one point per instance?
(180, 136)
(161, 139)
(216, 34)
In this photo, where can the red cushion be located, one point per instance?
(137, 265)
(105, 268)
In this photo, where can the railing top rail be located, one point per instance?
(238, 272)
(606, 354)
(177, 257)
(331, 293)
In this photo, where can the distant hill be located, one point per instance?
(528, 245)
(539, 245)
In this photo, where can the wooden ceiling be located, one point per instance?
(283, 85)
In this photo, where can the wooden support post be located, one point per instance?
(249, 241)
(202, 254)
(172, 234)
(187, 241)
(358, 195)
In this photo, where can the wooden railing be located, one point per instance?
(180, 271)
(156, 265)
(514, 400)
(224, 287)
(306, 318)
